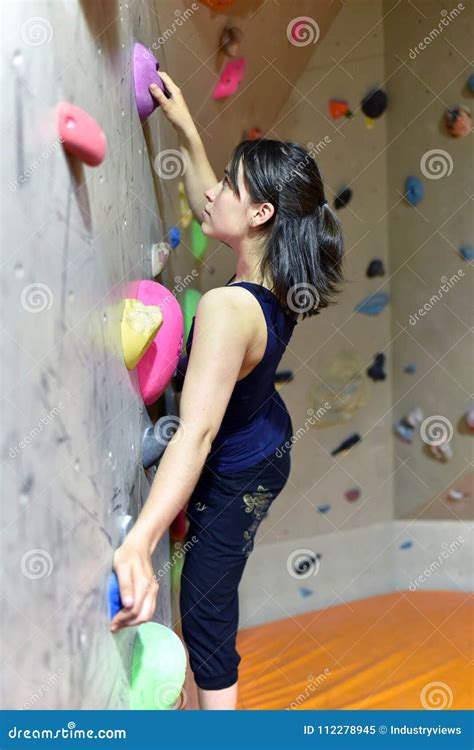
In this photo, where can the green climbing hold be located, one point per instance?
(198, 240)
(158, 668)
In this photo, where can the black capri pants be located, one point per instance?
(224, 513)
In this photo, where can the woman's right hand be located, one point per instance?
(175, 108)
(137, 583)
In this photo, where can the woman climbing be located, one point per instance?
(230, 456)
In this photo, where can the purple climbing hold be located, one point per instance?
(145, 66)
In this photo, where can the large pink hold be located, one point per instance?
(159, 362)
(230, 80)
(145, 66)
(80, 134)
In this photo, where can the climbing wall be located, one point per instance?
(74, 237)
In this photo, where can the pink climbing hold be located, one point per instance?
(230, 79)
(145, 66)
(80, 134)
(156, 367)
(352, 494)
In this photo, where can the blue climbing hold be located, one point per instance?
(414, 190)
(305, 592)
(470, 83)
(467, 252)
(410, 368)
(113, 593)
(323, 508)
(175, 237)
(373, 304)
(406, 545)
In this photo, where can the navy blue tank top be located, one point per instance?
(256, 420)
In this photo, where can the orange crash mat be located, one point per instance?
(403, 650)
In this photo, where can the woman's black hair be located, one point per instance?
(304, 244)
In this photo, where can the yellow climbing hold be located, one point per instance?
(139, 326)
(184, 210)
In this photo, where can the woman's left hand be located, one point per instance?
(138, 587)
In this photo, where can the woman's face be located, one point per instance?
(226, 216)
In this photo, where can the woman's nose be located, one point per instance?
(211, 193)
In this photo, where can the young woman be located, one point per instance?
(230, 457)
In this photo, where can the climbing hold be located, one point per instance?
(230, 40)
(373, 304)
(190, 303)
(406, 545)
(184, 211)
(343, 198)
(155, 369)
(458, 122)
(230, 79)
(414, 190)
(175, 237)
(410, 368)
(405, 427)
(346, 444)
(305, 592)
(470, 83)
(339, 390)
(156, 438)
(375, 268)
(323, 508)
(457, 495)
(352, 494)
(442, 452)
(113, 594)
(199, 241)
(469, 417)
(158, 668)
(140, 324)
(145, 66)
(160, 252)
(467, 252)
(283, 376)
(338, 108)
(218, 6)
(179, 526)
(252, 134)
(373, 105)
(376, 371)
(80, 135)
